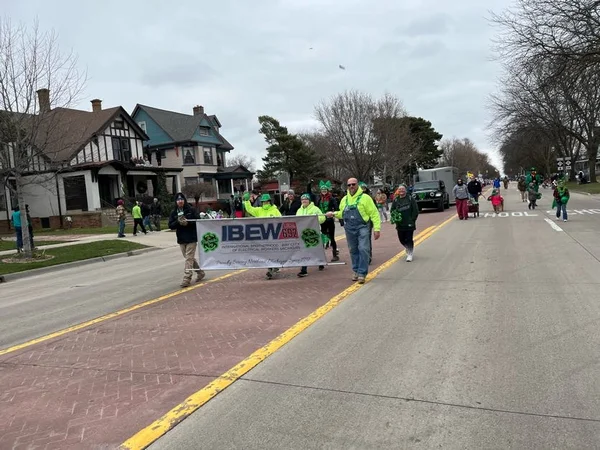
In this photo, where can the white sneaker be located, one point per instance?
(409, 257)
(564, 220)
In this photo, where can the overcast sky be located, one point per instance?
(241, 58)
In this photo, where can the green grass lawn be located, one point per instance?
(11, 245)
(590, 188)
(72, 253)
(164, 225)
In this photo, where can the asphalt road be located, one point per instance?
(489, 339)
(35, 306)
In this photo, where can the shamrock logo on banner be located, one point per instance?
(209, 242)
(311, 238)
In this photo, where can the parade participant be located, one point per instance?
(533, 195)
(327, 202)
(266, 209)
(403, 214)
(497, 200)
(308, 208)
(187, 237)
(522, 186)
(357, 210)
(561, 198)
(474, 187)
(461, 195)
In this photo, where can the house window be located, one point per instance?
(163, 154)
(75, 193)
(142, 125)
(121, 149)
(189, 155)
(207, 180)
(203, 131)
(208, 155)
(190, 180)
(119, 124)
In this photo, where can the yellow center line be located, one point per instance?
(112, 315)
(161, 426)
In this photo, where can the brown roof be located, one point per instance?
(61, 133)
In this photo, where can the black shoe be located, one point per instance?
(269, 275)
(321, 267)
(302, 274)
(335, 257)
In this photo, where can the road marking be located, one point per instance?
(145, 437)
(112, 315)
(115, 314)
(511, 214)
(578, 211)
(554, 226)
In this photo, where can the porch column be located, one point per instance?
(246, 184)
(217, 188)
(232, 188)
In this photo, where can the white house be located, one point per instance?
(86, 160)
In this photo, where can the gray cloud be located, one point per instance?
(244, 59)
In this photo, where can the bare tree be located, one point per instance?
(197, 190)
(465, 156)
(31, 62)
(242, 160)
(327, 152)
(348, 121)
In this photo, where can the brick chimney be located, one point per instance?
(43, 100)
(96, 105)
(198, 110)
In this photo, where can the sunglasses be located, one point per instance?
(351, 184)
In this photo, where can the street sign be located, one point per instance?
(559, 159)
(560, 163)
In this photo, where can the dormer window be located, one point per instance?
(118, 124)
(203, 131)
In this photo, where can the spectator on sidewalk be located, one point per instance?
(16, 221)
(187, 237)
(138, 219)
(146, 215)
(357, 210)
(121, 216)
(156, 213)
(461, 194)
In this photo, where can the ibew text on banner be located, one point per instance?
(254, 243)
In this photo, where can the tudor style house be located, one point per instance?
(85, 161)
(194, 143)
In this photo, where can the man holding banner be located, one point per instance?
(266, 209)
(308, 208)
(357, 210)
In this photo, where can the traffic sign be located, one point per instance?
(560, 163)
(559, 159)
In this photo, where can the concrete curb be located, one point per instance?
(33, 272)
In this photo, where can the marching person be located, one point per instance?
(461, 194)
(308, 208)
(266, 209)
(327, 202)
(381, 203)
(561, 198)
(357, 210)
(403, 214)
(474, 187)
(187, 237)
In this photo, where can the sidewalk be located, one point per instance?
(96, 387)
(162, 239)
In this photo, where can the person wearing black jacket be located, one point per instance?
(155, 214)
(474, 187)
(187, 238)
(327, 202)
(291, 204)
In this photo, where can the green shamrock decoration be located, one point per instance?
(311, 238)
(209, 242)
(324, 239)
(395, 217)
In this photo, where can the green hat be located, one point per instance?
(265, 198)
(362, 184)
(305, 196)
(325, 185)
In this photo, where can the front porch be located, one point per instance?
(230, 180)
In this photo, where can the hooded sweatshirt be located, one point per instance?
(186, 234)
(264, 210)
(408, 212)
(311, 210)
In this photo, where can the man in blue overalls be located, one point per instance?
(357, 209)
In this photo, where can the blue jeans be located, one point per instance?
(19, 234)
(121, 227)
(147, 223)
(359, 243)
(563, 207)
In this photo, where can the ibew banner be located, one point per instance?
(254, 243)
